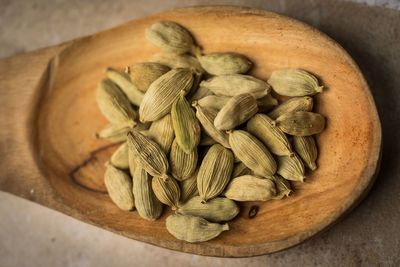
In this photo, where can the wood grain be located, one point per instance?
(49, 117)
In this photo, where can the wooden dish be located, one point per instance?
(49, 117)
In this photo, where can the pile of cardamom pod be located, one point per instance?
(199, 135)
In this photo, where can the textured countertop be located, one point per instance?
(32, 235)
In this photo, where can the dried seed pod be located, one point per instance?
(189, 187)
(213, 101)
(114, 133)
(303, 103)
(170, 37)
(224, 63)
(182, 164)
(206, 140)
(146, 202)
(236, 84)
(266, 103)
(114, 105)
(283, 187)
(119, 187)
(162, 132)
(186, 126)
(175, 61)
(252, 153)
(148, 154)
(193, 229)
(132, 162)
(144, 74)
(123, 80)
(262, 127)
(200, 93)
(215, 172)
(237, 110)
(250, 188)
(163, 92)
(294, 82)
(307, 149)
(240, 169)
(291, 168)
(206, 118)
(215, 210)
(301, 123)
(167, 191)
(120, 157)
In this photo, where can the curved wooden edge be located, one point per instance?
(23, 75)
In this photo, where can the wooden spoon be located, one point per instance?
(49, 153)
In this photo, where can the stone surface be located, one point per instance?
(32, 235)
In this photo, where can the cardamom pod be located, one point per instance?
(301, 123)
(175, 61)
(302, 103)
(252, 153)
(294, 82)
(215, 210)
(215, 172)
(170, 37)
(262, 127)
(120, 157)
(200, 93)
(291, 168)
(236, 84)
(224, 63)
(213, 101)
(206, 118)
(167, 191)
(163, 92)
(206, 140)
(146, 203)
(240, 169)
(193, 229)
(237, 110)
(189, 187)
(123, 80)
(250, 188)
(307, 149)
(266, 103)
(186, 126)
(182, 164)
(132, 162)
(144, 74)
(162, 132)
(114, 105)
(114, 133)
(148, 154)
(119, 187)
(283, 187)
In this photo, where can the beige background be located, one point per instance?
(31, 235)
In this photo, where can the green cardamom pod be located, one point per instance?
(119, 187)
(236, 111)
(120, 157)
(266, 103)
(163, 92)
(189, 187)
(283, 187)
(175, 61)
(224, 63)
(213, 101)
(236, 84)
(252, 153)
(183, 164)
(146, 203)
(123, 80)
(240, 169)
(306, 147)
(167, 191)
(186, 126)
(162, 132)
(301, 123)
(206, 140)
(193, 229)
(114, 133)
(114, 105)
(302, 103)
(291, 168)
(294, 82)
(215, 172)
(215, 210)
(148, 154)
(250, 188)
(200, 93)
(262, 127)
(144, 74)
